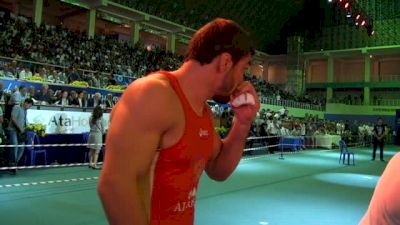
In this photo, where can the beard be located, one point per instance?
(224, 92)
(223, 95)
(221, 99)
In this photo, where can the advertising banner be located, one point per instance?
(63, 122)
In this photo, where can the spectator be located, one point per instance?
(31, 92)
(95, 81)
(2, 99)
(110, 102)
(73, 101)
(25, 73)
(379, 138)
(64, 100)
(95, 101)
(82, 100)
(43, 96)
(16, 129)
(273, 130)
(73, 75)
(278, 96)
(54, 77)
(111, 80)
(95, 140)
(18, 96)
(43, 74)
(52, 98)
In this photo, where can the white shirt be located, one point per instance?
(63, 102)
(284, 131)
(22, 74)
(303, 129)
(282, 111)
(272, 129)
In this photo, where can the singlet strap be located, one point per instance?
(178, 90)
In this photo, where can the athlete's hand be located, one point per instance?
(246, 113)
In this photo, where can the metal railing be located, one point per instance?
(83, 72)
(389, 78)
(386, 102)
(292, 104)
(377, 102)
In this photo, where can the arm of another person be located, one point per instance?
(376, 133)
(384, 206)
(228, 152)
(1, 116)
(102, 125)
(385, 132)
(14, 118)
(137, 124)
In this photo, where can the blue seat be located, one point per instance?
(31, 139)
(292, 143)
(345, 153)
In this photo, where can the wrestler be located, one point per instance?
(161, 137)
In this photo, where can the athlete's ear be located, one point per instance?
(225, 62)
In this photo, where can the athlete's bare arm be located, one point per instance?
(384, 207)
(228, 152)
(137, 124)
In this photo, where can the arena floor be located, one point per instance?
(309, 187)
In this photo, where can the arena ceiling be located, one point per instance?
(269, 21)
(263, 19)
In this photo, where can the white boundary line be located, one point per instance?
(26, 184)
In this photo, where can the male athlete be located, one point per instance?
(162, 138)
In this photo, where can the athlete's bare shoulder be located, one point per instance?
(148, 99)
(153, 84)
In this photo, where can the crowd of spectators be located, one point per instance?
(92, 60)
(191, 15)
(276, 124)
(48, 96)
(310, 125)
(62, 56)
(59, 46)
(68, 56)
(53, 74)
(268, 91)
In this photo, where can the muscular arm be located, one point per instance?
(136, 127)
(384, 207)
(229, 150)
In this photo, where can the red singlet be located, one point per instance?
(176, 170)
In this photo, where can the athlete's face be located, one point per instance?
(232, 79)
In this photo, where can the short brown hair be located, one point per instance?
(217, 37)
(96, 114)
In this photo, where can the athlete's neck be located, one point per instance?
(197, 82)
